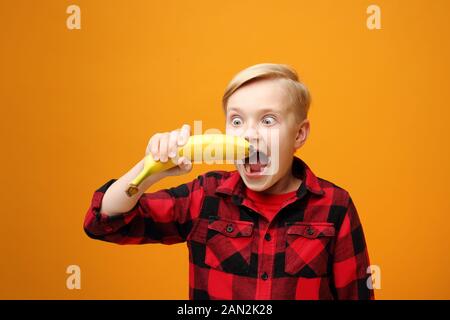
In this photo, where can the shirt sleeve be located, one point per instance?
(351, 259)
(165, 216)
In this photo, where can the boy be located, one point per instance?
(270, 229)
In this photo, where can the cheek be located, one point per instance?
(272, 136)
(286, 148)
(233, 131)
(230, 131)
(282, 139)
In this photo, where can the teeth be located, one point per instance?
(256, 162)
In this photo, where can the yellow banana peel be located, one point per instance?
(207, 148)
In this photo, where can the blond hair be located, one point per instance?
(300, 97)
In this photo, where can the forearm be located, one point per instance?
(116, 201)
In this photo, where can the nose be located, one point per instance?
(251, 135)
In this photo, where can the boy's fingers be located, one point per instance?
(147, 148)
(149, 145)
(183, 160)
(154, 146)
(185, 132)
(173, 143)
(163, 145)
(184, 163)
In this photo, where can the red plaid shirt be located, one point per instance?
(314, 247)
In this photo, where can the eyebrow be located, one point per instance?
(233, 109)
(264, 110)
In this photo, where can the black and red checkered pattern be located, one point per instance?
(314, 248)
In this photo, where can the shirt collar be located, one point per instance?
(233, 185)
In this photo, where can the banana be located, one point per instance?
(207, 148)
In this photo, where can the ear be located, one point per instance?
(302, 134)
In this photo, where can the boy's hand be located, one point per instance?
(164, 146)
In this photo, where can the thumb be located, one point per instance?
(183, 166)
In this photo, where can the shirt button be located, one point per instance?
(230, 228)
(267, 237)
(264, 276)
(310, 231)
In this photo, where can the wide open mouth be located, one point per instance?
(256, 162)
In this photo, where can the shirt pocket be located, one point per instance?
(308, 248)
(229, 245)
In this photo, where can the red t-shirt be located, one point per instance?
(268, 204)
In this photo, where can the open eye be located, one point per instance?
(236, 121)
(268, 120)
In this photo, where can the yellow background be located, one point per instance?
(78, 108)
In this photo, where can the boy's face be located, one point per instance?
(260, 112)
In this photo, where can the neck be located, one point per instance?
(287, 183)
